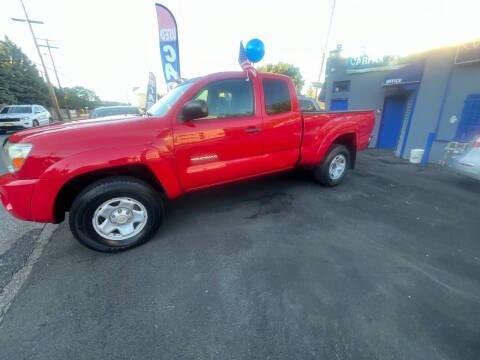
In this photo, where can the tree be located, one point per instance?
(79, 97)
(286, 69)
(311, 92)
(20, 81)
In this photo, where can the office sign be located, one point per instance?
(169, 49)
(468, 53)
(408, 74)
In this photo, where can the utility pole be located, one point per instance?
(325, 46)
(51, 91)
(49, 47)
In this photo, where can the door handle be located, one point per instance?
(252, 129)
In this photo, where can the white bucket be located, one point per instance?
(416, 156)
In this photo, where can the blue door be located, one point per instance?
(339, 104)
(469, 126)
(392, 120)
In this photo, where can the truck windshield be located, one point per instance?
(165, 103)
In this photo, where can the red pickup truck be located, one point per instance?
(114, 176)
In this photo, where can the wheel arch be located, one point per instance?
(74, 186)
(349, 140)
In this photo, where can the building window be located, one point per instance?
(341, 86)
(469, 126)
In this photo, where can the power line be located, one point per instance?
(49, 47)
(51, 91)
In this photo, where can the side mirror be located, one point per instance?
(194, 109)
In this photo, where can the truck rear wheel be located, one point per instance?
(335, 167)
(116, 214)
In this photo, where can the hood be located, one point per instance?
(121, 141)
(67, 128)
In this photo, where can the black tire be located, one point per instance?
(92, 197)
(322, 172)
(35, 123)
(50, 120)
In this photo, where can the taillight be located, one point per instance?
(476, 143)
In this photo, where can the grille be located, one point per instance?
(9, 120)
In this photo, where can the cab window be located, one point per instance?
(277, 96)
(228, 98)
(307, 105)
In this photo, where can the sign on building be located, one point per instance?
(365, 63)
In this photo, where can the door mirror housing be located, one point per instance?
(195, 109)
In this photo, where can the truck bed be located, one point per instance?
(320, 129)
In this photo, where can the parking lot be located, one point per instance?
(386, 266)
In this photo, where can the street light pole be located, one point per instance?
(49, 47)
(51, 91)
(325, 46)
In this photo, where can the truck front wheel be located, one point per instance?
(116, 214)
(335, 167)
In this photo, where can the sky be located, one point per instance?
(110, 46)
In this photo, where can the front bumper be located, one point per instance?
(466, 169)
(16, 196)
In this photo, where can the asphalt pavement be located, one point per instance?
(385, 266)
(17, 240)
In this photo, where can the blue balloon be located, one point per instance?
(255, 50)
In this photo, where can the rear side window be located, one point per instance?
(277, 96)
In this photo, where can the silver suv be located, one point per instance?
(19, 117)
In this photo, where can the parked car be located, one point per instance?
(115, 176)
(464, 158)
(20, 117)
(308, 104)
(115, 112)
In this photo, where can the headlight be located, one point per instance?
(16, 155)
(25, 118)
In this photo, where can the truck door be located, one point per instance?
(282, 123)
(226, 145)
